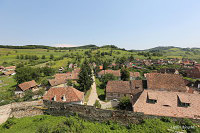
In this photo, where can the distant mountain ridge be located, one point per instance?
(92, 46)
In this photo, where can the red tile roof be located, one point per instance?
(169, 82)
(71, 94)
(167, 104)
(114, 72)
(27, 85)
(11, 67)
(124, 86)
(57, 81)
(9, 72)
(69, 75)
(118, 87)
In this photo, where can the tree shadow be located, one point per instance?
(102, 97)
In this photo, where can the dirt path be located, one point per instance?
(4, 113)
(93, 94)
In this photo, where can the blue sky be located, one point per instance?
(130, 24)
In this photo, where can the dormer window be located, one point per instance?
(63, 98)
(183, 101)
(151, 98)
(54, 98)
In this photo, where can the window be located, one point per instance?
(182, 104)
(151, 100)
(54, 98)
(125, 95)
(118, 95)
(111, 94)
(63, 98)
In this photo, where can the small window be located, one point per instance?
(52, 98)
(125, 95)
(111, 94)
(182, 104)
(152, 101)
(118, 95)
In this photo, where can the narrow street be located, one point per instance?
(93, 94)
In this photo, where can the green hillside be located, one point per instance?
(73, 124)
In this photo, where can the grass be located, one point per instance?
(73, 124)
(87, 94)
(100, 92)
(7, 88)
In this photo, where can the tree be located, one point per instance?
(24, 74)
(69, 82)
(85, 77)
(105, 78)
(125, 74)
(43, 57)
(47, 71)
(51, 56)
(28, 95)
(131, 58)
(97, 104)
(125, 103)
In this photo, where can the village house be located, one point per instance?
(165, 82)
(194, 72)
(116, 73)
(2, 68)
(21, 88)
(65, 94)
(10, 68)
(58, 82)
(71, 65)
(118, 89)
(166, 103)
(197, 84)
(68, 75)
(147, 62)
(9, 73)
(134, 75)
(169, 71)
(101, 67)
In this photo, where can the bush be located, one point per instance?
(97, 104)
(28, 95)
(125, 103)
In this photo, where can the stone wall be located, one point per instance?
(24, 109)
(94, 114)
(20, 109)
(40, 107)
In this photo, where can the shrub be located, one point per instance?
(97, 104)
(125, 103)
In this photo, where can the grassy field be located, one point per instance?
(7, 86)
(73, 124)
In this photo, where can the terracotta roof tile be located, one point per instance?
(114, 72)
(167, 104)
(11, 67)
(71, 94)
(170, 82)
(118, 87)
(57, 81)
(27, 85)
(9, 72)
(132, 87)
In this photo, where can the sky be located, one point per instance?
(129, 24)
